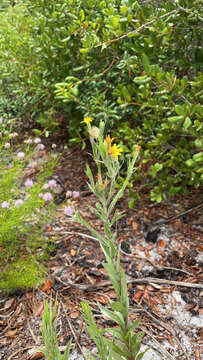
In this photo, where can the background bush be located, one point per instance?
(136, 64)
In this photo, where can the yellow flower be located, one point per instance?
(87, 120)
(115, 151)
(109, 140)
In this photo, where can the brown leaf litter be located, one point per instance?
(164, 275)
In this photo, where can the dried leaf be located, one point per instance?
(162, 243)
(35, 354)
(138, 296)
(102, 299)
(147, 253)
(74, 314)
(38, 309)
(47, 286)
(72, 252)
(49, 228)
(170, 340)
(11, 333)
(146, 294)
(10, 303)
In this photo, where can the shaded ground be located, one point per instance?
(163, 266)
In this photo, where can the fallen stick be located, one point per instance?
(151, 281)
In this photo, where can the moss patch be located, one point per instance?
(22, 275)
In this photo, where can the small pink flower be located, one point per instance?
(52, 183)
(7, 145)
(29, 183)
(1, 120)
(5, 205)
(21, 155)
(47, 196)
(37, 141)
(76, 194)
(68, 210)
(0, 134)
(40, 147)
(18, 202)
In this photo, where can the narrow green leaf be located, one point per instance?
(175, 119)
(142, 79)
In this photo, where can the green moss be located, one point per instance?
(22, 275)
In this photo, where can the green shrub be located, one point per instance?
(22, 274)
(134, 64)
(23, 213)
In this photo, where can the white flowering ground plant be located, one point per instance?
(125, 342)
(24, 207)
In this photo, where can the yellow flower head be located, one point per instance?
(115, 151)
(109, 140)
(87, 120)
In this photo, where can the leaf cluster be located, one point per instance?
(134, 64)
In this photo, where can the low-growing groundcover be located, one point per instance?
(135, 64)
(25, 205)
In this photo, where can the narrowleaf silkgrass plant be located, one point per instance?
(125, 341)
(49, 334)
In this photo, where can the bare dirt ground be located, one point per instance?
(163, 265)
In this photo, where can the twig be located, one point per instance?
(32, 333)
(158, 266)
(168, 328)
(73, 233)
(161, 349)
(148, 280)
(165, 221)
(96, 77)
(137, 30)
(17, 351)
(187, 11)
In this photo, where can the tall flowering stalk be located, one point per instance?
(125, 343)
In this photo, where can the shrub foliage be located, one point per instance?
(134, 64)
